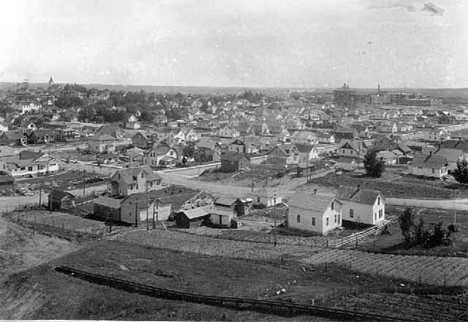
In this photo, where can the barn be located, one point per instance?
(59, 199)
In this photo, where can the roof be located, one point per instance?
(60, 194)
(456, 144)
(316, 204)
(264, 192)
(428, 161)
(225, 201)
(357, 194)
(450, 154)
(129, 173)
(102, 137)
(304, 148)
(206, 143)
(233, 156)
(12, 135)
(108, 202)
(386, 154)
(195, 213)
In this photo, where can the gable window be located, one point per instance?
(327, 221)
(351, 213)
(142, 175)
(378, 201)
(298, 218)
(313, 221)
(332, 205)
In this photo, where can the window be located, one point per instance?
(298, 218)
(433, 170)
(29, 168)
(258, 199)
(327, 221)
(332, 205)
(380, 213)
(142, 174)
(375, 216)
(137, 186)
(378, 201)
(343, 151)
(351, 213)
(23, 168)
(336, 218)
(313, 221)
(339, 219)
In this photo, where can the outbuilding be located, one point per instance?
(191, 218)
(59, 199)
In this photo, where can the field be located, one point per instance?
(42, 293)
(60, 220)
(393, 242)
(395, 185)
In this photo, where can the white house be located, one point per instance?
(103, 143)
(347, 163)
(437, 135)
(266, 197)
(314, 213)
(161, 156)
(28, 163)
(388, 157)
(228, 132)
(30, 106)
(365, 206)
(429, 165)
(352, 148)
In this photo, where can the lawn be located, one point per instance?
(395, 185)
(393, 242)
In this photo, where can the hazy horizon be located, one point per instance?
(303, 44)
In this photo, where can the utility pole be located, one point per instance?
(136, 213)
(50, 200)
(147, 207)
(274, 218)
(252, 182)
(40, 195)
(84, 183)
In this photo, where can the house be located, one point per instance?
(128, 181)
(191, 218)
(66, 134)
(286, 154)
(135, 154)
(29, 163)
(452, 156)
(228, 132)
(437, 135)
(186, 134)
(347, 163)
(344, 133)
(326, 138)
(387, 157)
(133, 125)
(314, 213)
(208, 150)
(101, 143)
(360, 205)
(161, 156)
(113, 130)
(307, 153)
(144, 140)
(303, 137)
(429, 165)
(237, 206)
(59, 199)
(30, 106)
(12, 138)
(267, 197)
(234, 161)
(152, 206)
(41, 136)
(353, 148)
(387, 127)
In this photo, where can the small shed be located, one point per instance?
(7, 182)
(107, 208)
(59, 199)
(220, 218)
(191, 218)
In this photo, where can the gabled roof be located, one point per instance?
(304, 148)
(315, 204)
(225, 201)
(428, 161)
(108, 202)
(358, 195)
(11, 135)
(451, 155)
(456, 144)
(60, 194)
(102, 137)
(195, 213)
(233, 156)
(128, 174)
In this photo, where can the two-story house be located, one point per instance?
(144, 140)
(102, 143)
(161, 156)
(128, 181)
(360, 205)
(286, 154)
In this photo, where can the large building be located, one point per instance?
(344, 96)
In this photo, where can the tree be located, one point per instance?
(461, 172)
(412, 232)
(146, 116)
(374, 167)
(189, 151)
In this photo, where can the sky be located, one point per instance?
(255, 43)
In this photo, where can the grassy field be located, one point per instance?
(395, 185)
(393, 242)
(41, 293)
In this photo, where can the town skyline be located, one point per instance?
(313, 44)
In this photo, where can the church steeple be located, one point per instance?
(51, 81)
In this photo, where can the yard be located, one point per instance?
(395, 184)
(42, 293)
(393, 242)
